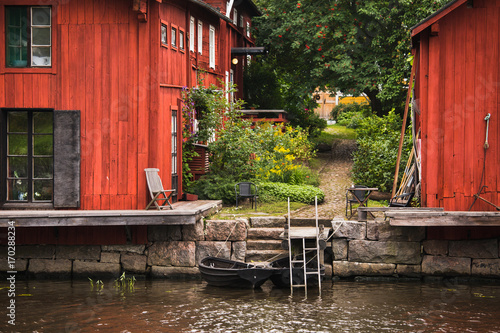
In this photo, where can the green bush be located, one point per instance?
(351, 108)
(375, 158)
(302, 176)
(350, 119)
(269, 192)
(214, 187)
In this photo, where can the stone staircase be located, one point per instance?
(263, 241)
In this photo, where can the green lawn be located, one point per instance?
(246, 210)
(333, 132)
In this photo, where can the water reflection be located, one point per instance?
(174, 306)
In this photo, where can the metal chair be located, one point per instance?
(156, 190)
(246, 190)
(356, 195)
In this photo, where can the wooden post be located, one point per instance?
(405, 116)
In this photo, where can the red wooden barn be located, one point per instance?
(457, 87)
(90, 94)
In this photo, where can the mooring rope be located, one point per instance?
(234, 226)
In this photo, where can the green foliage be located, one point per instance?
(300, 107)
(124, 283)
(375, 158)
(213, 112)
(341, 109)
(269, 192)
(350, 119)
(302, 176)
(280, 150)
(261, 87)
(352, 46)
(215, 187)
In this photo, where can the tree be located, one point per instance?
(352, 46)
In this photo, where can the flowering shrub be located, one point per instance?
(282, 149)
(241, 151)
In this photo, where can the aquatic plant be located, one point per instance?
(124, 283)
(98, 284)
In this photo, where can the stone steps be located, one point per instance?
(280, 221)
(265, 244)
(264, 233)
(264, 255)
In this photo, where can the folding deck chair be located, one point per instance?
(156, 190)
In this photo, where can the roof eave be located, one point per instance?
(445, 10)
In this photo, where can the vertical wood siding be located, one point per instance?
(112, 68)
(458, 84)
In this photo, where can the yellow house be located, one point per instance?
(327, 101)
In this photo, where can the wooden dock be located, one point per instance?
(442, 218)
(184, 213)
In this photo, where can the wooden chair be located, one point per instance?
(246, 190)
(402, 200)
(156, 190)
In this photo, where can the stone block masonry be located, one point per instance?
(372, 249)
(171, 251)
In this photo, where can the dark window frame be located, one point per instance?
(66, 163)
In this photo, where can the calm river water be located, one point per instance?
(177, 306)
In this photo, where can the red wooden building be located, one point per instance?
(90, 94)
(456, 88)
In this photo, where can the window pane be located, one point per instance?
(43, 167)
(14, 15)
(17, 144)
(174, 37)
(42, 145)
(40, 16)
(163, 34)
(181, 40)
(41, 36)
(18, 122)
(40, 56)
(16, 36)
(43, 122)
(17, 190)
(42, 190)
(17, 167)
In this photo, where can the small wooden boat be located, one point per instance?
(229, 273)
(281, 277)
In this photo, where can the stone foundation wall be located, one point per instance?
(172, 251)
(372, 248)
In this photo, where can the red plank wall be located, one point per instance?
(110, 65)
(458, 84)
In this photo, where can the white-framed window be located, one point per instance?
(200, 37)
(181, 40)
(235, 17)
(249, 59)
(173, 38)
(241, 21)
(248, 29)
(28, 36)
(191, 34)
(163, 34)
(212, 47)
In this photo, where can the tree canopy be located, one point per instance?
(350, 46)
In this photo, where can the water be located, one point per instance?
(176, 306)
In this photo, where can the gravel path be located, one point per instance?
(335, 175)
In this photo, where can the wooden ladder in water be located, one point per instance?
(303, 262)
